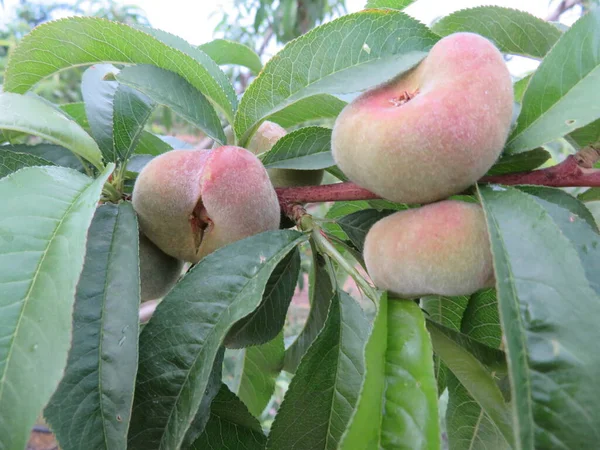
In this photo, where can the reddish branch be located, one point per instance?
(569, 173)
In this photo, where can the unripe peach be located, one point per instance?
(158, 271)
(442, 248)
(191, 202)
(263, 140)
(435, 130)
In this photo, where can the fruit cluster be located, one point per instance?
(422, 138)
(417, 139)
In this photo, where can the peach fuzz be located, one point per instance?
(192, 202)
(442, 248)
(433, 131)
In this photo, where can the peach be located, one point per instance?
(158, 271)
(433, 131)
(442, 248)
(192, 202)
(264, 139)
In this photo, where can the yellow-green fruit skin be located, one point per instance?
(230, 183)
(440, 140)
(441, 248)
(158, 271)
(263, 140)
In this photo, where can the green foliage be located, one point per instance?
(545, 368)
(399, 378)
(104, 319)
(171, 381)
(230, 425)
(38, 285)
(517, 361)
(118, 43)
(361, 50)
(48, 123)
(512, 31)
(256, 377)
(307, 149)
(326, 382)
(11, 161)
(225, 52)
(560, 96)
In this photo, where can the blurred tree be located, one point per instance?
(565, 5)
(261, 23)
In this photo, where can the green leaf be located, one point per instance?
(175, 361)
(354, 52)
(45, 214)
(58, 45)
(491, 357)
(410, 382)
(322, 395)
(105, 338)
(447, 311)
(316, 108)
(363, 431)
(469, 427)
(564, 200)
(590, 195)
(321, 293)
(582, 234)
(117, 112)
(590, 134)
(55, 154)
(266, 321)
(467, 423)
(388, 4)
(47, 123)
(149, 144)
(550, 340)
(213, 386)
(520, 87)
(223, 52)
(173, 91)
(261, 365)
(513, 31)
(98, 96)
(357, 225)
(11, 161)
(397, 406)
(305, 149)
(475, 377)
(562, 94)
(230, 426)
(132, 109)
(77, 112)
(340, 209)
(481, 320)
(520, 162)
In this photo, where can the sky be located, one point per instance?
(196, 20)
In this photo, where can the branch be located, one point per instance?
(570, 173)
(562, 7)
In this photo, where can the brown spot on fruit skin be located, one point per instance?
(442, 248)
(433, 131)
(231, 185)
